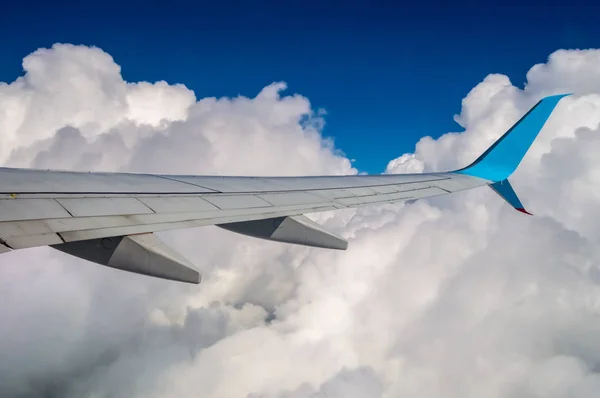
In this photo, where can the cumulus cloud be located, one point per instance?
(454, 296)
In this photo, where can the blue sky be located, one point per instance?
(387, 74)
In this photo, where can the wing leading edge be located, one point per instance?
(110, 218)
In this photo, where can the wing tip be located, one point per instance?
(503, 157)
(522, 210)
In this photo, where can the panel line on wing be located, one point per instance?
(3, 243)
(186, 182)
(67, 210)
(103, 206)
(61, 237)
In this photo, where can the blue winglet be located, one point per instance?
(504, 156)
(506, 192)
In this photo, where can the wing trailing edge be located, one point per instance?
(146, 254)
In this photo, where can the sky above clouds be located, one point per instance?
(454, 296)
(381, 69)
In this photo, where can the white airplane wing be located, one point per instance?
(109, 218)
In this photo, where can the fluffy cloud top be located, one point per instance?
(454, 296)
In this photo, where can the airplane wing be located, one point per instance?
(110, 218)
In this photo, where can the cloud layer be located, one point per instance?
(454, 296)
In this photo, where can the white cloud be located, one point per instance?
(455, 296)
